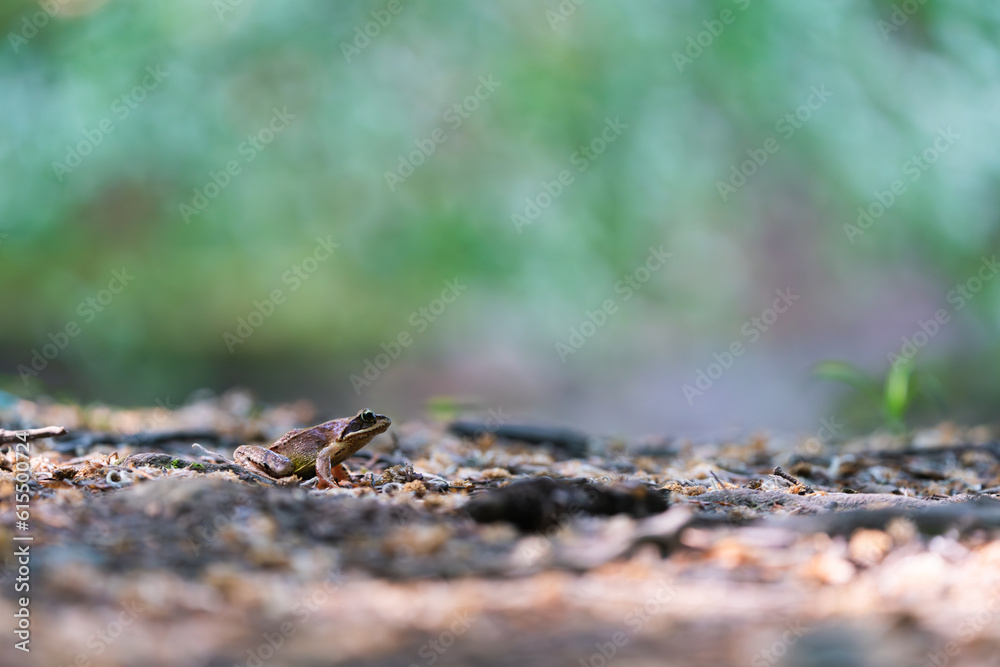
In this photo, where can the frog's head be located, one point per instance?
(362, 427)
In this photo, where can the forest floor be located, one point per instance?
(492, 544)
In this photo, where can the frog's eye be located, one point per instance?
(368, 416)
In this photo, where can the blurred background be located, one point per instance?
(625, 217)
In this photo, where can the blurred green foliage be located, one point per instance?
(700, 87)
(890, 398)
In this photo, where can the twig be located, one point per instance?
(783, 475)
(718, 482)
(30, 434)
(778, 472)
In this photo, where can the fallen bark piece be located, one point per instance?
(843, 513)
(933, 518)
(25, 435)
(572, 442)
(86, 441)
(165, 461)
(815, 504)
(539, 503)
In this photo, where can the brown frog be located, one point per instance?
(316, 451)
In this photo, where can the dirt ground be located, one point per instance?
(493, 544)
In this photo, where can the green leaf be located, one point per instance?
(845, 373)
(897, 391)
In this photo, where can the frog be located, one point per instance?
(317, 451)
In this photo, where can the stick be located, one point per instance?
(7, 437)
(785, 476)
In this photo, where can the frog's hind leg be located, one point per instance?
(263, 461)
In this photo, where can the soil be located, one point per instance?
(483, 544)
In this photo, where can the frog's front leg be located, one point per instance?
(329, 465)
(264, 461)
